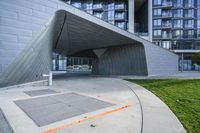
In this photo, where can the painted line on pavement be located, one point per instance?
(53, 130)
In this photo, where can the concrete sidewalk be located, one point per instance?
(129, 108)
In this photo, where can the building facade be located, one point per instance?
(171, 24)
(112, 11)
(30, 31)
(176, 26)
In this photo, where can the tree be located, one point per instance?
(197, 59)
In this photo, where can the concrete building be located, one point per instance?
(171, 24)
(31, 30)
(176, 26)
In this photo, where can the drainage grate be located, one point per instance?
(49, 109)
(40, 92)
(4, 125)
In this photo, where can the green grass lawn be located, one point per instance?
(181, 95)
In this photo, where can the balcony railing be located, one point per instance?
(167, 36)
(183, 47)
(189, 26)
(179, 5)
(77, 5)
(120, 17)
(167, 4)
(189, 15)
(142, 33)
(98, 6)
(178, 25)
(167, 14)
(121, 25)
(120, 7)
(99, 15)
(166, 25)
(189, 5)
(178, 15)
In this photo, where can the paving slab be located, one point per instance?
(49, 109)
(40, 92)
(4, 125)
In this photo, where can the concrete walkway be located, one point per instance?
(133, 110)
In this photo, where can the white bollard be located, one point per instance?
(49, 78)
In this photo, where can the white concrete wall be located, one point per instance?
(20, 21)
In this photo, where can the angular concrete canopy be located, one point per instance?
(72, 32)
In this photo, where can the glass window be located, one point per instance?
(166, 34)
(198, 24)
(178, 13)
(178, 23)
(189, 3)
(76, 3)
(166, 13)
(111, 14)
(120, 15)
(178, 34)
(178, 3)
(157, 12)
(87, 5)
(98, 14)
(120, 25)
(189, 23)
(189, 13)
(198, 34)
(157, 33)
(198, 12)
(189, 34)
(166, 44)
(157, 2)
(157, 22)
(111, 6)
(119, 5)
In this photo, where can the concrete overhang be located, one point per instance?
(81, 32)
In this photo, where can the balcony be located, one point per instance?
(77, 5)
(178, 15)
(166, 25)
(121, 25)
(178, 26)
(178, 5)
(189, 5)
(166, 36)
(167, 4)
(120, 17)
(120, 7)
(98, 7)
(166, 15)
(189, 15)
(177, 37)
(189, 26)
(98, 15)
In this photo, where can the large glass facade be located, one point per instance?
(176, 26)
(177, 19)
(63, 63)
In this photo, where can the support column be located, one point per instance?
(181, 62)
(150, 4)
(131, 15)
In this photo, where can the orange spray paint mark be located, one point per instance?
(53, 130)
